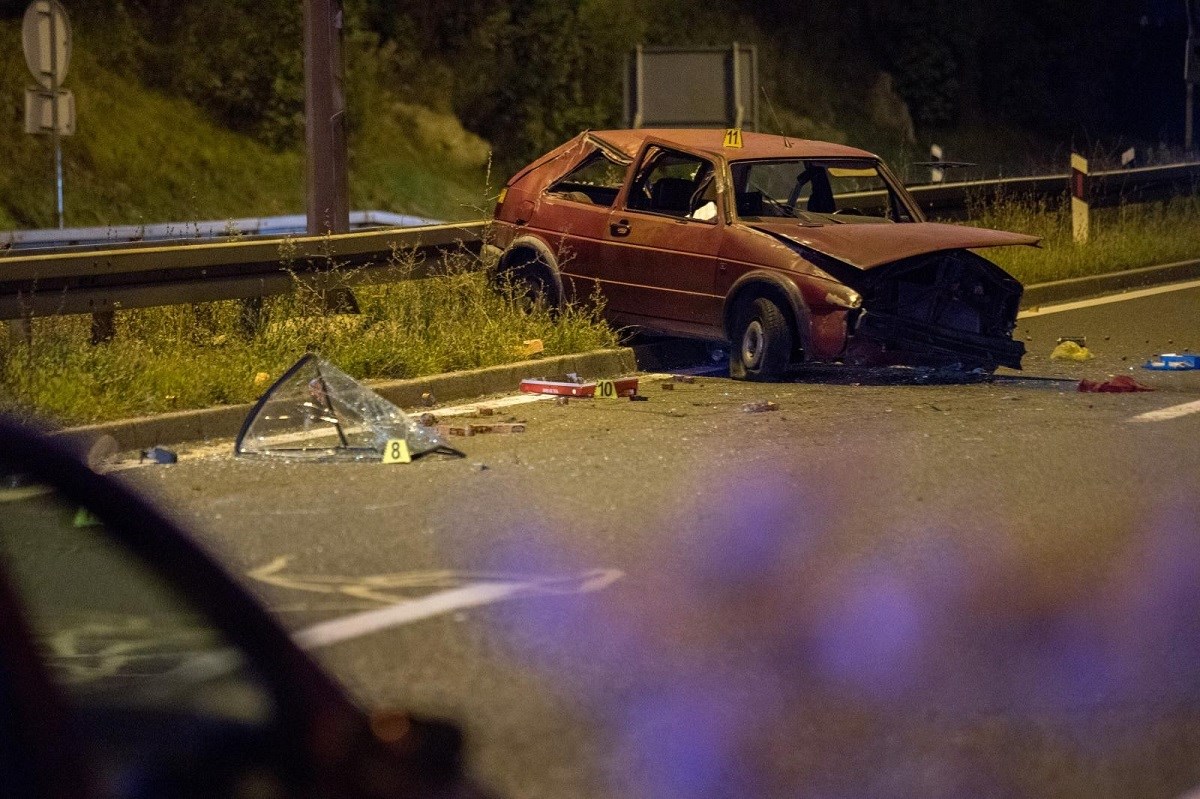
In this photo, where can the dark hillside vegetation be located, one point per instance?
(1013, 84)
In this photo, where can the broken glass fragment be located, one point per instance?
(316, 412)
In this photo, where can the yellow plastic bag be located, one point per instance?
(1071, 351)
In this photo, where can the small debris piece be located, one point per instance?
(1171, 362)
(689, 379)
(562, 401)
(564, 389)
(760, 407)
(638, 398)
(1121, 384)
(479, 467)
(428, 400)
(261, 379)
(1080, 340)
(532, 347)
(427, 420)
(85, 518)
(460, 430)
(485, 411)
(668, 386)
(505, 429)
(160, 455)
(573, 377)
(1071, 351)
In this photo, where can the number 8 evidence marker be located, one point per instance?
(625, 387)
(396, 451)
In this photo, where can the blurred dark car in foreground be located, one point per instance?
(133, 667)
(793, 251)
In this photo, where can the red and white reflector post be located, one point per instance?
(1079, 198)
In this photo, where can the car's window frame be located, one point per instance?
(45, 753)
(301, 692)
(647, 159)
(901, 199)
(598, 153)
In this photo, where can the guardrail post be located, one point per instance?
(251, 318)
(1079, 199)
(104, 327)
(21, 329)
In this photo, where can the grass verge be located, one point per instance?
(195, 356)
(1125, 237)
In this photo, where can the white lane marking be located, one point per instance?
(1166, 414)
(473, 590)
(496, 404)
(357, 625)
(1108, 300)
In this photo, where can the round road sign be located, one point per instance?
(46, 35)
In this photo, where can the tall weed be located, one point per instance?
(1126, 237)
(191, 356)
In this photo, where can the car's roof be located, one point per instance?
(756, 146)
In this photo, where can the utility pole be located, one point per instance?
(325, 118)
(1192, 75)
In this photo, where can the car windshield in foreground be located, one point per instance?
(816, 191)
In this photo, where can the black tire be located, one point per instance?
(533, 287)
(762, 342)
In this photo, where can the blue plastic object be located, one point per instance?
(1170, 362)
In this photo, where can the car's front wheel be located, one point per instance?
(762, 342)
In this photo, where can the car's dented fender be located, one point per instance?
(527, 250)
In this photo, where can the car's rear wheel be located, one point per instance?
(762, 342)
(531, 287)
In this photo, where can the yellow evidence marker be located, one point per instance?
(607, 389)
(396, 451)
(733, 138)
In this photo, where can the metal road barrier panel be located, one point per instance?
(99, 280)
(1106, 189)
(182, 232)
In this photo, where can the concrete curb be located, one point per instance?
(226, 421)
(1080, 288)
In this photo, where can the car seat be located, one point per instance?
(672, 196)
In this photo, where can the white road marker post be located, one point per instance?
(936, 173)
(1080, 209)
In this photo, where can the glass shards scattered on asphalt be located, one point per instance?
(316, 412)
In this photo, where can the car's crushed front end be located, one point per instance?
(949, 307)
(926, 299)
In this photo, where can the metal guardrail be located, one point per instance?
(102, 278)
(99, 280)
(1106, 189)
(291, 225)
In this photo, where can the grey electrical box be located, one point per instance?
(692, 87)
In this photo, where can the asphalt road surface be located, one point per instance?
(890, 586)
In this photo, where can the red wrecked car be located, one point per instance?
(794, 251)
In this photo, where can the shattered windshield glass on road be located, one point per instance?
(316, 412)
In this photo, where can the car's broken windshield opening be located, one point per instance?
(820, 191)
